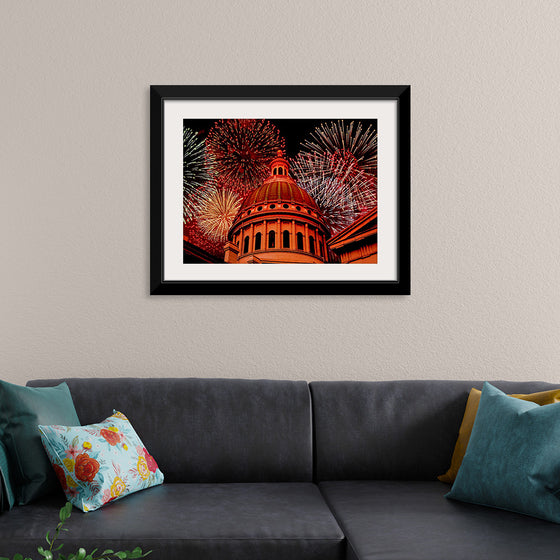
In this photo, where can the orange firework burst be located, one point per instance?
(217, 210)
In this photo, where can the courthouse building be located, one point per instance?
(280, 222)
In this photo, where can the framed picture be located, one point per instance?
(280, 190)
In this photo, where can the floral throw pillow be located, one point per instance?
(99, 463)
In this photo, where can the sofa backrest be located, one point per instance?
(208, 430)
(400, 430)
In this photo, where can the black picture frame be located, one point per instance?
(160, 94)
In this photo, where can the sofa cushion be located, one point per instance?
(21, 410)
(276, 521)
(403, 520)
(209, 430)
(8, 498)
(99, 463)
(391, 430)
(542, 398)
(513, 457)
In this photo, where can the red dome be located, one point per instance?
(279, 190)
(278, 222)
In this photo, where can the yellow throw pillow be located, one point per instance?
(541, 398)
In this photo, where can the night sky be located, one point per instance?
(294, 131)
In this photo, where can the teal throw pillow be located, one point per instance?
(513, 457)
(21, 410)
(6, 486)
(99, 463)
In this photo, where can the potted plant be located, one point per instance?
(53, 553)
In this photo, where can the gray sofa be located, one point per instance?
(285, 470)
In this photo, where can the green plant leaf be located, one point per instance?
(64, 514)
(4, 558)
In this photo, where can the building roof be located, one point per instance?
(281, 189)
(278, 187)
(363, 227)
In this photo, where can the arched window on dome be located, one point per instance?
(258, 238)
(299, 239)
(312, 244)
(271, 239)
(246, 244)
(286, 239)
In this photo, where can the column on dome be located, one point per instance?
(293, 244)
(306, 239)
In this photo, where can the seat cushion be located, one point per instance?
(284, 521)
(394, 520)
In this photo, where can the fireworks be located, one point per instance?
(194, 234)
(338, 167)
(325, 190)
(217, 209)
(352, 150)
(224, 160)
(195, 171)
(241, 150)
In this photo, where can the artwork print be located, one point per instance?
(311, 183)
(280, 191)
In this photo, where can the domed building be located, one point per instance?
(278, 222)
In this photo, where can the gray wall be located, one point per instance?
(74, 151)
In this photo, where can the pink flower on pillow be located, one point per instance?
(73, 451)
